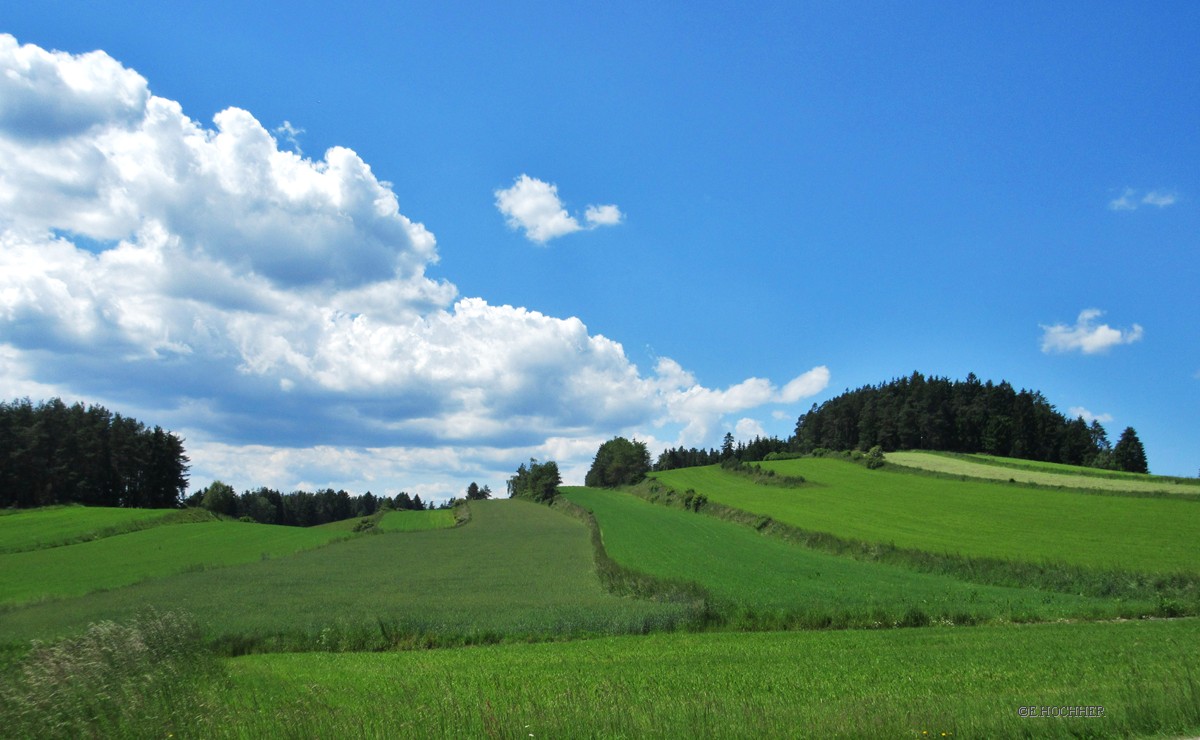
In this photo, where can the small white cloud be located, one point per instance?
(608, 215)
(802, 386)
(1160, 198)
(748, 429)
(533, 206)
(1076, 412)
(1086, 336)
(1131, 200)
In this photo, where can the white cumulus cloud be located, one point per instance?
(1086, 335)
(274, 308)
(534, 207)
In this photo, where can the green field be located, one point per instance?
(22, 530)
(1042, 474)
(963, 681)
(748, 572)
(416, 521)
(516, 569)
(964, 518)
(318, 632)
(120, 560)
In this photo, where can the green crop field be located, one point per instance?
(22, 530)
(120, 560)
(969, 518)
(1043, 474)
(516, 569)
(961, 681)
(750, 572)
(416, 521)
(329, 618)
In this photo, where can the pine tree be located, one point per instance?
(1128, 454)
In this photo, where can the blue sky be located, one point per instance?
(787, 200)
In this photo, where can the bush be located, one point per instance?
(875, 457)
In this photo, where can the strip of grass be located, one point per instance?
(1015, 462)
(961, 681)
(964, 518)
(759, 579)
(416, 521)
(517, 571)
(54, 526)
(1047, 474)
(120, 560)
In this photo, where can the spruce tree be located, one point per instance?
(1128, 454)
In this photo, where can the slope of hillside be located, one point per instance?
(964, 518)
(123, 559)
(53, 526)
(516, 569)
(794, 585)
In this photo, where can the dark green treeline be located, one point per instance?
(919, 413)
(52, 453)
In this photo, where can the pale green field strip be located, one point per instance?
(968, 518)
(31, 529)
(746, 569)
(416, 521)
(973, 469)
(1015, 462)
(966, 682)
(120, 560)
(516, 568)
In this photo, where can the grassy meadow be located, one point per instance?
(416, 521)
(124, 559)
(516, 571)
(54, 526)
(494, 620)
(963, 682)
(759, 578)
(963, 518)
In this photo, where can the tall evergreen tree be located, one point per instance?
(1128, 454)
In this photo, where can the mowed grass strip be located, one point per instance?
(120, 560)
(1016, 462)
(52, 526)
(1048, 474)
(961, 682)
(416, 521)
(964, 518)
(516, 570)
(769, 577)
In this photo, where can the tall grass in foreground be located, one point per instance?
(137, 679)
(966, 682)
